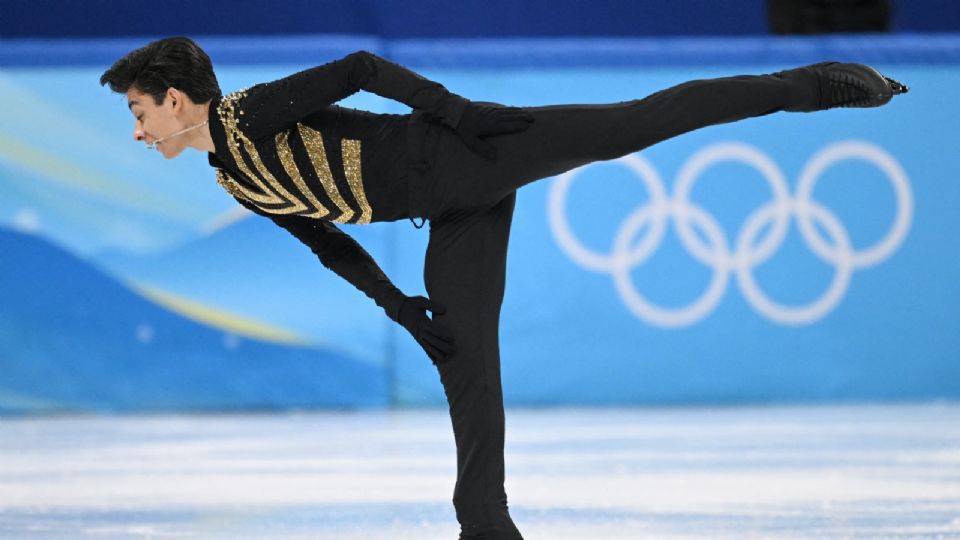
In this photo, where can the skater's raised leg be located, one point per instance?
(563, 137)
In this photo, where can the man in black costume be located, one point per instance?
(285, 151)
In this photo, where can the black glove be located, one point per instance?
(436, 339)
(483, 119)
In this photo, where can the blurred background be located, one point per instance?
(131, 283)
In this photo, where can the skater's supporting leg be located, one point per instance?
(464, 272)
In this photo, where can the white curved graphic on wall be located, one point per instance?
(748, 250)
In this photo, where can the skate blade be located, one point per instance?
(897, 87)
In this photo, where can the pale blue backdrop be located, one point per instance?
(133, 283)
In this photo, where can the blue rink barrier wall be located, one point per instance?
(788, 258)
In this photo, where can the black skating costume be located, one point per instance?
(286, 151)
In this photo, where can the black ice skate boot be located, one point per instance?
(834, 84)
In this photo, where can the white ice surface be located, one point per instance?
(890, 471)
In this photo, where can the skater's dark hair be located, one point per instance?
(175, 62)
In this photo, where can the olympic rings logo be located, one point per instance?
(749, 251)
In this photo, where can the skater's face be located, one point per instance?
(152, 121)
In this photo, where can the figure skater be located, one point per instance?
(286, 151)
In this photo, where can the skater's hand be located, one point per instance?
(483, 119)
(436, 339)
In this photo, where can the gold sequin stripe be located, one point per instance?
(313, 141)
(350, 148)
(295, 206)
(227, 117)
(232, 186)
(237, 189)
(291, 204)
(240, 190)
(286, 158)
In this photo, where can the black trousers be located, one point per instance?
(470, 209)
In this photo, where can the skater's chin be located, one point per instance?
(169, 153)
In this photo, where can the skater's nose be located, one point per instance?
(139, 135)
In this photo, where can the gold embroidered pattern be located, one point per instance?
(286, 158)
(350, 148)
(227, 117)
(268, 193)
(237, 139)
(228, 183)
(313, 141)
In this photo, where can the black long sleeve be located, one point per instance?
(341, 253)
(277, 105)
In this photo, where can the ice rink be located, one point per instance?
(864, 471)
